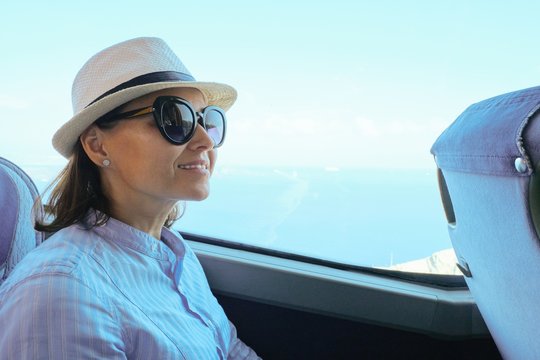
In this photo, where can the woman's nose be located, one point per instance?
(201, 139)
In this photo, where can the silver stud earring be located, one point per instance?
(106, 162)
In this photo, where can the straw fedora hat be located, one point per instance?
(124, 72)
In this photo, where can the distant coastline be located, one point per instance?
(368, 217)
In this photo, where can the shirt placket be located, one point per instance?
(177, 276)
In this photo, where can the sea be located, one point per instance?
(358, 216)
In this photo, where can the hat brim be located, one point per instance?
(66, 137)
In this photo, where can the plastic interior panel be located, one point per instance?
(339, 293)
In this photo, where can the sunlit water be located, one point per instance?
(357, 216)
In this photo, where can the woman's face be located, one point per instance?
(145, 166)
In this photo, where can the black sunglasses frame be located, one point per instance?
(156, 110)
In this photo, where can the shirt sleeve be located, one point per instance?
(55, 316)
(238, 350)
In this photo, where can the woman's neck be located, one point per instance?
(147, 220)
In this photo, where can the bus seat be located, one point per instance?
(17, 235)
(488, 163)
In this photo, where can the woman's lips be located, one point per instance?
(199, 166)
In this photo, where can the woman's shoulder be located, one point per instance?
(60, 255)
(66, 246)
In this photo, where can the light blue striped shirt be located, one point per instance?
(113, 292)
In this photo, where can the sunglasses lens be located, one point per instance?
(178, 121)
(215, 125)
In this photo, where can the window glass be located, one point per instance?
(327, 148)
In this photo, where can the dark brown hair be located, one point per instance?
(75, 191)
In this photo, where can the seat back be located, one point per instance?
(17, 235)
(489, 163)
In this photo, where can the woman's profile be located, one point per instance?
(113, 281)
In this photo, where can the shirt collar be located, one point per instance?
(126, 235)
(174, 241)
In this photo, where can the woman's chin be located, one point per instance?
(199, 195)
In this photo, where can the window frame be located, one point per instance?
(364, 296)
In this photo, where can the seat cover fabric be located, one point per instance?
(17, 235)
(488, 136)
(489, 160)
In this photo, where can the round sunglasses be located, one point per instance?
(177, 120)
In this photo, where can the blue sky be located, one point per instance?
(329, 84)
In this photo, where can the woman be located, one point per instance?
(114, 281)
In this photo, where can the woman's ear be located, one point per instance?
(91, 141)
